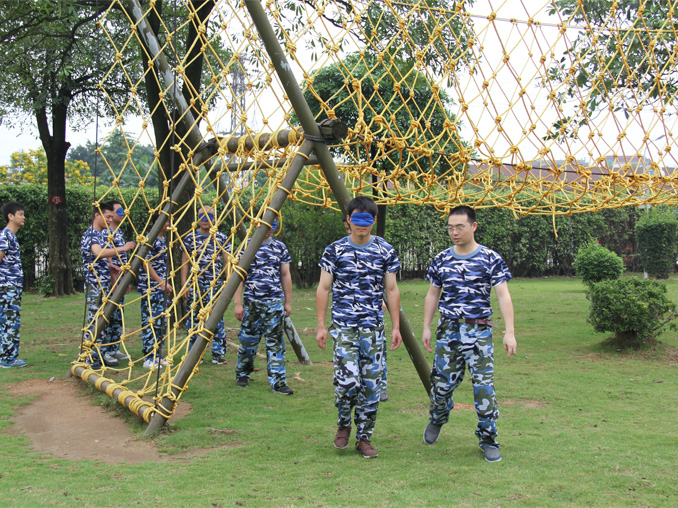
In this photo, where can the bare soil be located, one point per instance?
(63, 423)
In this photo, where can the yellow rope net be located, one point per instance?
(540, 107)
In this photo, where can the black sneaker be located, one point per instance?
(243, 381)
(219, 360)
(431, 433)
(283, 389)
(492, 454)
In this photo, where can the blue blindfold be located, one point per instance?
(203, 217)
(362, 219)
(120, 212)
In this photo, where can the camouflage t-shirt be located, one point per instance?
(358, 273)
(96, 270)
(208, 253)
(263, 276)
(158, 260)
(10, 266)
(466, 281)
(118, 239)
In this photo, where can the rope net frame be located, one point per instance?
(540, 107)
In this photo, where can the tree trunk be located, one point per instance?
(56, 146)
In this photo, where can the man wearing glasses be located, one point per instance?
(461, 278)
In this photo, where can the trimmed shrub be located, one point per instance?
(594, 263)
(636, 311)
(657, 236)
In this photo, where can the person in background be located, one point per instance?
(11, 286)
(262, 302)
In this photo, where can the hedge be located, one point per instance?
(529, 244)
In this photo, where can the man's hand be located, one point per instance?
(288, 309)
(239, 311)
(396, 339)
(321, 337)
(510, 344)
(426, 339)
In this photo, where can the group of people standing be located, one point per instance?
(358, 273)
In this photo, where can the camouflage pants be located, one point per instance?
(10, 322)
(262, 319)
(153, 322)
(384, 381)
(459, 345)
(93, 295)
(358, 369)
(194, 306)
(113, 331)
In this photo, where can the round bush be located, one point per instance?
(635, 310)
(594, 263)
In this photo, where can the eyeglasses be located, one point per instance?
(456, 228)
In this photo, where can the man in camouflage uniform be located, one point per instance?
(464, 274)
(11, 286)
(155, 289)
(262, 302)
(210, 253)
(117, 238)
(356, 269)
(95, 251)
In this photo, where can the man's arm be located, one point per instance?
(2, 255)
(393, 302)
(152, 274)
(238, 309)
(322, 298)
(100, 252)
(430, 306)
(286, 279)
(506, 308)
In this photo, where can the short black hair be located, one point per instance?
(464, 210)
(362, 204)
(103, 207)
(114, 202)
(11, 208)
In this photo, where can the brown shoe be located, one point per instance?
(341, 439)
(365, 448)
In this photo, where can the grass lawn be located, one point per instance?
(580, 424)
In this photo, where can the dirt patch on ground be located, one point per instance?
(63, 423)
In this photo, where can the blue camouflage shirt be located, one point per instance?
(118, 239)
(263, 282)
(358, 273)
(208, 252)
(11, 274)
(158, 260)
(466, 281)
(96, 270)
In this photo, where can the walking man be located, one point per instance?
(356, 269)
(461, 278)
(262, 302)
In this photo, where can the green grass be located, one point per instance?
(580, 424)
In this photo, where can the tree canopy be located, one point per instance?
(624, 59)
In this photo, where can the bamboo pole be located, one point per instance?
(329, 168)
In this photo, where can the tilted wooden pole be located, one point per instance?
(329, 168)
